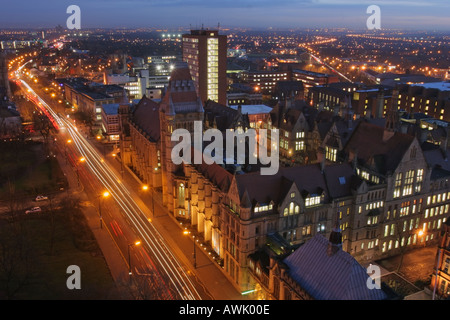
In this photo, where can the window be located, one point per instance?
(446, 265)
(330, 153)
(300, 135)
(409, 178)
(419, 179)
(398, 184)
(311, 201)
(320, 227)
(299, 145)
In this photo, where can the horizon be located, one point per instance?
(407, 15)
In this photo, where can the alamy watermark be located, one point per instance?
(374, 21)
(74, 20)
(258, 144)
(374, 280)
(74, 280)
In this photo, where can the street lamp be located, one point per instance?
(103, 195)
(129, 255)
(82, 160)
(145, 188)
(186, 232)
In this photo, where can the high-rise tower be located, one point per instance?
(5, 90)
(205, 51)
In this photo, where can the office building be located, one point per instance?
(205, 51)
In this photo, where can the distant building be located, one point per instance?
(5, 90)
(205, 52)
(312, 79)
(89, 97)
(265, 81)
(432, 99)
(10, 121)
(135, 85)
(110, 122)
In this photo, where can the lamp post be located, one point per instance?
(103, 195)
(145, 188)
(186, 232)
(129, 256)
(82, 160)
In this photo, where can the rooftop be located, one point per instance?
(443, 86)
(330, 277)
(253, 109)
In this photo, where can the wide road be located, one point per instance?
(165, 268)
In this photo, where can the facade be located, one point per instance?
(89, 98)
(5, 90)
(350, 100)
(10, 121)
(312, 79)
(441, 286)
(265, 81)
(381, 186)
(205, 51)
(431, 99)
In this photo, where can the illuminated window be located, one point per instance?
(330, 153)
(398, 184)
(409, 178)
(311, 201)
(299, 145)
(419, 180)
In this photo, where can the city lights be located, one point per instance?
(252, 159)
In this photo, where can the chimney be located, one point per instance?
(335, 240)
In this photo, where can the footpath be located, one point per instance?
(207, 271)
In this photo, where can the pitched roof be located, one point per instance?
(146, 117)
(382, 155)
(181, 96)
(309, 179)
(325, 277)
(223, 116)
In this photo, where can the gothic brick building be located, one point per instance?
(382, 187)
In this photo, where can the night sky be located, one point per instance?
(403, 14)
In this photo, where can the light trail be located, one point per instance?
(145, 230)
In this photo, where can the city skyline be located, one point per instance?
(400, 14)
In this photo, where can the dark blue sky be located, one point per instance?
(408, 14)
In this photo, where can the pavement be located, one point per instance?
(207, 271)
(416, 270)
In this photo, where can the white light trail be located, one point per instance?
(146, 231)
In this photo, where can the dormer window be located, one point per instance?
(263, 207)
(312, 200)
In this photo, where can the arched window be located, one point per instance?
(291, 208)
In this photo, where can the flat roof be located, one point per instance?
(253, 108)
(111, 108)
(441, 85)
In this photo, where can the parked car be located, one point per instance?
(33, 210)
(41, 198)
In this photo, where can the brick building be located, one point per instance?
(382, 186)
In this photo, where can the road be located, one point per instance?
(154, 258)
